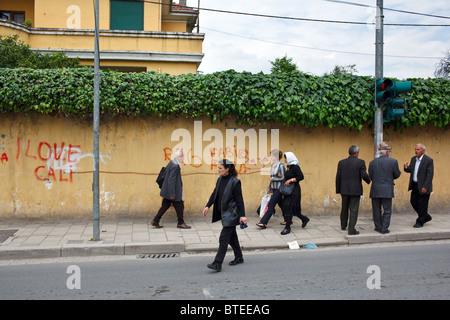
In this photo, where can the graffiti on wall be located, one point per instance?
(3, 155)
(245, 164)
(55, 161)
(244, 148)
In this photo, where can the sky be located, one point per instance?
(249, 43)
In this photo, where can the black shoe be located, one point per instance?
(378, 230)
(215, 266)
(285, 231)
(156, 224)
(385, 231)
(305, 222)
(236, 261)
(418, 225)
(261, 225)
(354, 233)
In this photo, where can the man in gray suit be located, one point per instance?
(349, 174)
(172, 192)
(420, 183)
(383, 171)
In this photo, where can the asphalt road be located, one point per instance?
(389, 271)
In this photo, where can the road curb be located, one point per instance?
(398, 237)
(90, 249)
(107, 249)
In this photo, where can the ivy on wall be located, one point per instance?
(296, 99)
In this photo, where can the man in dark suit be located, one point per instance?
(349, 174)
(172, 192)
(383, 171)
(420, 183)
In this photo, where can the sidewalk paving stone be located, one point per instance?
(66, 238)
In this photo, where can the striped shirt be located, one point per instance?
(276, 170)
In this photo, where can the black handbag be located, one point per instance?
(161, 176)
(286, 190)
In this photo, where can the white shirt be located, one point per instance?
(416, 168)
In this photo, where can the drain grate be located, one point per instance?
(5, 234)
(158, 256)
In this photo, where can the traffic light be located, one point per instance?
(382, 94)
(387, 92)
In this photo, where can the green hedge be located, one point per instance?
(296, 99)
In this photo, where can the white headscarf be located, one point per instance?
(291, 159)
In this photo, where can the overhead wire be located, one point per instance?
(322, 21)
(320, 49)
(388, 9)
(260, 15)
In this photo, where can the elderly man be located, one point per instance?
(349, 174)
(172, 192)
(383, 171)
(420, 183)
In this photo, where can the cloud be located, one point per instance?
(246, 43)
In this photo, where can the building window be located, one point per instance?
(16, 16)
(127, 15)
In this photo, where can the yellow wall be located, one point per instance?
(57, 13)
(174, 26)
(111, 41)
(20, 5)
(23, 34)
(160, 67)
(152, 17)
(41, 181)
(64, 13)
(78, 17)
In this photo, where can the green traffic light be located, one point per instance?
(393, 111)
(387, 92)
(383, 92)
(400, 87)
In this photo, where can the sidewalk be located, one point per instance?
(23, 239)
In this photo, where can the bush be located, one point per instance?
(296, 99)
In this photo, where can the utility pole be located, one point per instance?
(95, 184)
(198, 17)
(378, 124)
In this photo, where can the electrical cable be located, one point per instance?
(303, 19)
(388, 9)
(320, 49)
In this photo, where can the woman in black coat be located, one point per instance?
(292, 203)
(228, 207)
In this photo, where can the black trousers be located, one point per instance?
(349, 203)
(420, 204)
(228, 236)
(179, 209)
(276, 198)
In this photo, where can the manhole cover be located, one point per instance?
(5, 234)
(158, 256)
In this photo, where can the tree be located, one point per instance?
(283, 65)
(15, 54)
(443, 67)
(348, 69)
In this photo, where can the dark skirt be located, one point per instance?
(292, 203)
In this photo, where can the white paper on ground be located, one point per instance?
(293, 245)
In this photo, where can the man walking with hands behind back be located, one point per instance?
(383, 171)
(420, 183)
(349, 174)
(172, 192)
